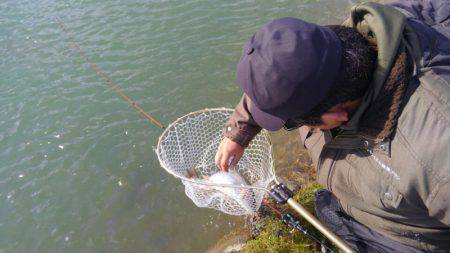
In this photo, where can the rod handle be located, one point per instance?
(341, 244)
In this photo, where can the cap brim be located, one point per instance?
(265, 120)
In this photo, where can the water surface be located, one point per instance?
(77, 167)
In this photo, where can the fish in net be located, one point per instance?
(187, 150)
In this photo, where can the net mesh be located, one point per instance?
(187, 150)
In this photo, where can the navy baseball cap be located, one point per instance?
(287, 68)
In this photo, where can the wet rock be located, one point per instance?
(232, 242)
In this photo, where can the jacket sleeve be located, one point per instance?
(240, 127)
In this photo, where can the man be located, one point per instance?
(371, 101)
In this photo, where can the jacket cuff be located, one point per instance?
(239, 136)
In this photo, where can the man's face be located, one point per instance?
(337, 115)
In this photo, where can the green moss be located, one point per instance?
(305, 196)
(275, 236)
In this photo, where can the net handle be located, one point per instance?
(328, 233)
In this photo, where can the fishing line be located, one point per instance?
(266, 203)
(285, 217)
(101, 75)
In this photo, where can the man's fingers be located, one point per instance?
(228, 154)
(236, 158)
(224, 163)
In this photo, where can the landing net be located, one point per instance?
(187, 150)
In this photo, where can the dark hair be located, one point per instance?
(354, 76)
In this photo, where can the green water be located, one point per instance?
(77, 167)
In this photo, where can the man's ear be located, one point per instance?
(336, 116)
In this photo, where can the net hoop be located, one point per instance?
(192, 140)
(170, 126)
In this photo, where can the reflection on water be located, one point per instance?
(77, 167)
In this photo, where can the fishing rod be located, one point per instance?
(100, 74)
(292, 222)
(276, 193)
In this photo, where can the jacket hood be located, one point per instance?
(381, 25)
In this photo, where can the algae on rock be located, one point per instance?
(275, 236)
(294, 167)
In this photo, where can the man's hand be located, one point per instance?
(228, 149)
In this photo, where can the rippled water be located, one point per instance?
(77, 167)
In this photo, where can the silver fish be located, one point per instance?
(244, 197)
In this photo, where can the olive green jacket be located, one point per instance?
(400, 187)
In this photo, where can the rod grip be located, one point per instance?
(341, 244)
